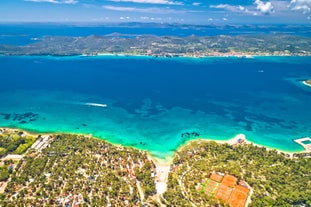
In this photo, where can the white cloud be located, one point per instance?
(301, 5)
(49, 1)
(153, 10)
(144, 18)
(119, 8)
(228, 7)
(70, 2)
(265, 8)
(196, 4)
(55, 1)
(259, 7)
(168, 2)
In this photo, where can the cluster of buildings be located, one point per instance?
(42, 142)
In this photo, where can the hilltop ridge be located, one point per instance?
(167, 46)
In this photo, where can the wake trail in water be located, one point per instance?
(102, 105)
(96, 104)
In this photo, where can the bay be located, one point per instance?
(158, 104)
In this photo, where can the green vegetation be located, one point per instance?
(79, 169)
(308, 82)
(4, 173)
(275, 179)
(169, 46)
(73, 169)
(14, 143)
(143, 175)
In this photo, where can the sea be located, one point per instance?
(159, 104)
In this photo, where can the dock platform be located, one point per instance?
(305, 142)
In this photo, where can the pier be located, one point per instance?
(305, 142)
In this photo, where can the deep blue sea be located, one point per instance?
(156, 104)
(159, 103)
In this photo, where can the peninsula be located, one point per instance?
(166, 46)
(78, 170)
(307, 82)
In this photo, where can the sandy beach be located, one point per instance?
(162, 170)
(238, 139)
(12, 130)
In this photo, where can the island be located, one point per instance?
(80, 170)
(307, 82)
(166, 46)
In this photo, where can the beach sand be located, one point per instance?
(162, 170)
(238, 139)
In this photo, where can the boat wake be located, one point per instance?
(96, 104)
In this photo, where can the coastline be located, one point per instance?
(247, 57)
(305, 83)
(236, 140)
(190, 56)
(163, 166)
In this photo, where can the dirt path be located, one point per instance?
(3, 186)
(141, 193)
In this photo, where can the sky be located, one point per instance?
(161, 11)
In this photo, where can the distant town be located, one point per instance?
(166, 46)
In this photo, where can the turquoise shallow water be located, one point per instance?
(158, 104)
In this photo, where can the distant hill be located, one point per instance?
(169, 46)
